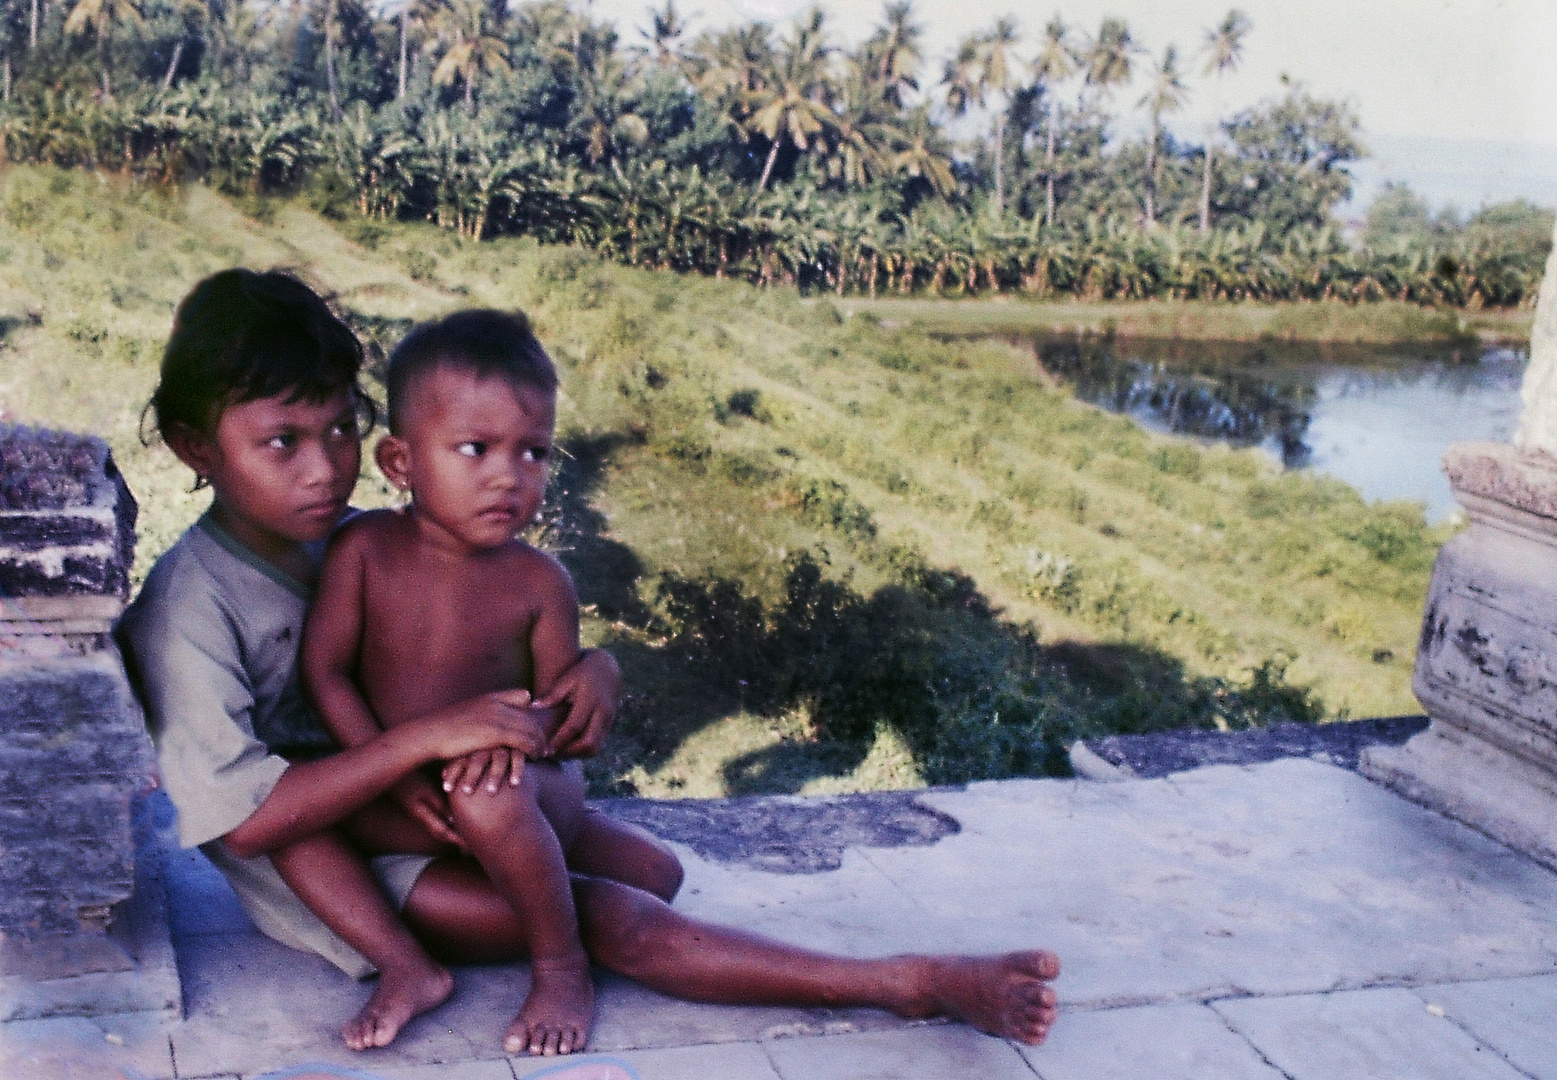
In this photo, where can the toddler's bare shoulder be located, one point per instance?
(368, 529)
(540, 569)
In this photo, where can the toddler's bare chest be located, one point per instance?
(468, 628)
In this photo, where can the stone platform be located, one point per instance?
(1282, 919)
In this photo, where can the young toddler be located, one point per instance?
(438, 602)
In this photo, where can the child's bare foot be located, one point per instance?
(1007, 995)
(400, 995)
(557, 1015)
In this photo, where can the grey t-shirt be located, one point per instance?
(211, 644)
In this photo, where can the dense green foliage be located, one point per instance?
(770, 156)
(829, 554)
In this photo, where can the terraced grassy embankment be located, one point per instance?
(830, 554)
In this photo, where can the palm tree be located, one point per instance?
(1224, 51)
(919, 150)
(892, 55)
(1166, 95)
(101, 16)
(1109, 58)
(1057, 61)
(794, 104)
(331, 17)
(726, 69)
(421, 12)
(471, 49)
(981, 68)
(601, 91)
(666, 29)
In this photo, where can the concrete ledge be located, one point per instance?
(146, 979)
(1473, 781)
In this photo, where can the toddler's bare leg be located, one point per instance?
(513, 838)
(335, 882)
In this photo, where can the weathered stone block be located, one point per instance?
(1486, 669)
(73, 747)
(73, 754)
(67, 520)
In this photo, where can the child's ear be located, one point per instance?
(393, 455)
(194, 448)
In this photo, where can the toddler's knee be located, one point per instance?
(494, 813)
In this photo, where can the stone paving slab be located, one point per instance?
(918, 1052)
(1517, 1017)
(1379, 1034)
(731, 1061)
(78, 1048)
(1284, 878)
(1162, 1042)
(1261, 889)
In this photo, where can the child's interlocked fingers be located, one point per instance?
(484, 768)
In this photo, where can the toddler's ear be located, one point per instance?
(393, 455)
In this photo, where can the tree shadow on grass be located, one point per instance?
(927, 658)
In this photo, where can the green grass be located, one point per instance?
(1327, 322)
(831, 554)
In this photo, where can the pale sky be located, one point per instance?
(1484, 69)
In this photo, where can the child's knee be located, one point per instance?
(509, 809)
(663, 872)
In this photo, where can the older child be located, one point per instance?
(258, 397)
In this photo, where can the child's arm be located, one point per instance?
(332, 638)
(563, 673)
(313, 795)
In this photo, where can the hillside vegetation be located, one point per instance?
(830, 554)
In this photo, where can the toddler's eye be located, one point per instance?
(280, 442)
(472, 449)
(537, 453)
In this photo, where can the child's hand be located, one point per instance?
(502, 718)
(424, 802)
(590, 687)
(484, 768)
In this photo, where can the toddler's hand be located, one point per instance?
(590, 688)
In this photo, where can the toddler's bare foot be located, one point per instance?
(400, 995)
(556, 1017)
(1007, 995)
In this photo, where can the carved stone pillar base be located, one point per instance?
(1486, 666)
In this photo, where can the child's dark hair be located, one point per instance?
(241, 335)
(481, 341)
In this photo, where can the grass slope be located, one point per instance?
(1327, 322)
(831, 555)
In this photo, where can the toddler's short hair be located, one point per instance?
(241, 335)
(482, 341)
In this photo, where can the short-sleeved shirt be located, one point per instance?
(211, 643)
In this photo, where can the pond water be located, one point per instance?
(1378, 418)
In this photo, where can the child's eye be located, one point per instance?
(537, 453)
(472, 449)
(280, 442)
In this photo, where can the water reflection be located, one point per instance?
(1376, 417)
